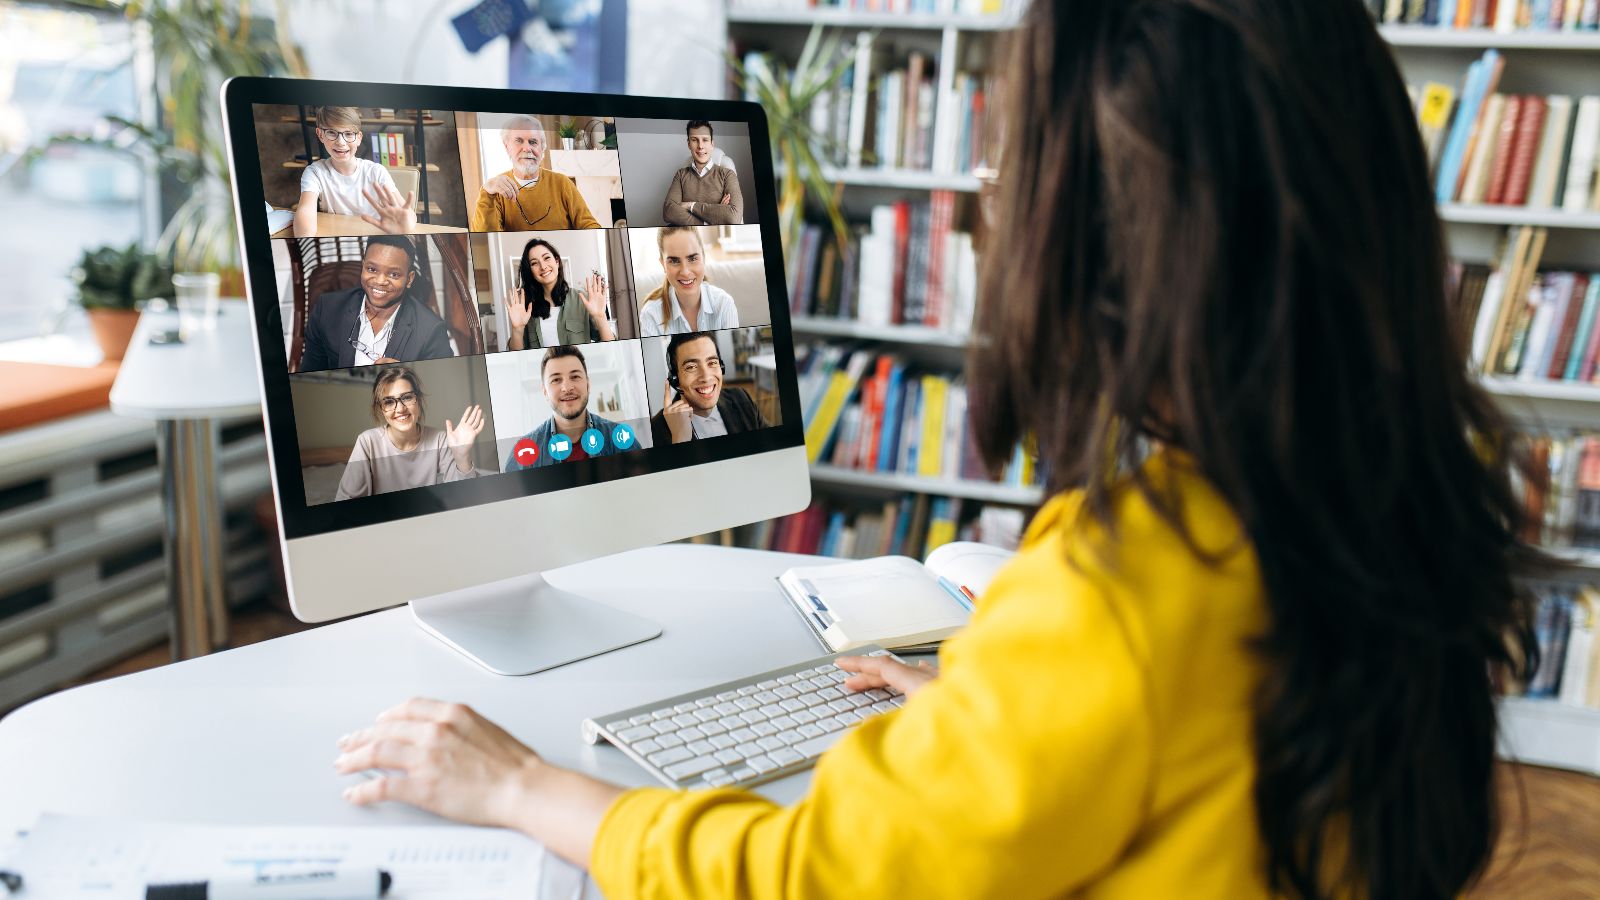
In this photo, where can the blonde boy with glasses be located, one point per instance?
(346, 185)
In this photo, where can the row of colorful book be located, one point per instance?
(882, 111)
(1505, 16)
(908, 266)
(1509, 149)
(1561, 495)
(1565, 620)
(1530, 324)
(906, 525)
(914, 7)
(873, 411)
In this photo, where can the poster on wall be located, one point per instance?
(555, 45)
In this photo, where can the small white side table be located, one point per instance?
(186, 388)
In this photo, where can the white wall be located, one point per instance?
(654, 150)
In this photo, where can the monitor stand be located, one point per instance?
(526, 625)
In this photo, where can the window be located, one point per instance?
(61, 71)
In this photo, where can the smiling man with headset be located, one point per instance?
(696, 405)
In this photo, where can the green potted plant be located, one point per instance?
(568, 132)
(787, 100)
(112, 283)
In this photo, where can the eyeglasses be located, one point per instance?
(409, 398)
(349, 137)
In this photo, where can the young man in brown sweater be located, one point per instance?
(703, 193)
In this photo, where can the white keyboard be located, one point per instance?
(747, 731)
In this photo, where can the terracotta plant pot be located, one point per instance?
(113, 330)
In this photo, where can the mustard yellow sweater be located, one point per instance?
(1089, 736)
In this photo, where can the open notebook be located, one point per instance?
(893, 601)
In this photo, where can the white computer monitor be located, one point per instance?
(389, 318)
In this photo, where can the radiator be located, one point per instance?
(82, 578)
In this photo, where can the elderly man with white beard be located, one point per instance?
(529, 197)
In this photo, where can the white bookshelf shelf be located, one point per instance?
(849, 18)
(1575, 557)
(1481, 214)
(1484, 38)
(920, 335)
(899, 179)
(945, 487)
(1546, 732)
(1547, 403)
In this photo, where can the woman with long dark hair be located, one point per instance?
(1250, 646)
(543, 289)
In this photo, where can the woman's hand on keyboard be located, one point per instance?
(880, 671)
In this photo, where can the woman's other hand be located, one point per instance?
(460, 437)
(870, 672)
(443, 758)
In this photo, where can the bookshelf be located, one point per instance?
(1540, 731)
(950, 44)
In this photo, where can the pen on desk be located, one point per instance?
(12, 881)
(955, 592)
(322, 884)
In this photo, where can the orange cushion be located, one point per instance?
(35, 392)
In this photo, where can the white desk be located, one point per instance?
(246, 736)
(185, 388)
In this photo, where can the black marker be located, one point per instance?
(322, 884)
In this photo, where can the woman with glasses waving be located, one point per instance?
(344, 184)
(402, 452)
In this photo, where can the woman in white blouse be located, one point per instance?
(402, 452)
(685, 301)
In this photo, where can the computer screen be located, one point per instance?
(465, 297)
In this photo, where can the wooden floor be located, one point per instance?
(1549, 848)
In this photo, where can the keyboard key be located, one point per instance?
(785, 692)
(663, 713)
(772, 742)
(761, 764)
(803, 716)
(811, 700)
(847, 718)
(743, 734)
(821, 681)
(782, 723)
(878, 694)
(704, 702)
(713, 728)
(701, 748)
(829, 725)
(692, 733)
(792, 704)
(766, 697)
(682, 770)
(748, 750)
(670, 740)
(752, 716)
(898, 700)
(841, 705)
(859, 700)
(718, 779)
(830, 693)
(669, 756)
(748, 689)
(884, 706)
(763, 728)
(722, 741)
(744, 773)
(728, 757)
(641, 719)
(664, 726)
(786, 757)
(687, 706)
(647, 746)
(685, 719)
(747, 703)
(893, 691)
(635, 733)
(810, 731)
(839, 676)
(707, 714)
(732, 722)
(767, 685)
(726, 709)
(813, 747)
(788, 679)
(772, 710)
(725, 696)
(867, 712)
